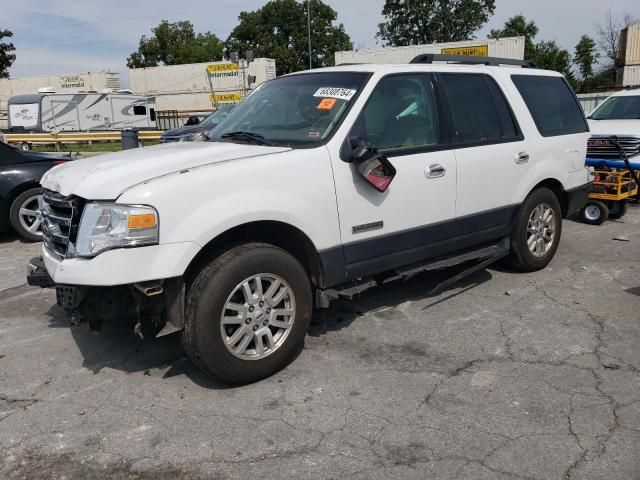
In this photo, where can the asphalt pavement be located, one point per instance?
(531, 376)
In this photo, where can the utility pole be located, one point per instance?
(309, 30)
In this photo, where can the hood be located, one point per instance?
(191, 129)
(106, 177)
(615, 127)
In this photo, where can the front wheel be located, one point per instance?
(25, 217)
(536, 235)
(247, 314)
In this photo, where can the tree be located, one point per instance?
(6, 53)
(175, 44)
(609, 34)
(586, 55)
(279, 31)
(412, 22)
(518, 26)
(549, 56)
(545, 54)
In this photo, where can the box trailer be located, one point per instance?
(64, 112)
(200, 85)
(510, 47)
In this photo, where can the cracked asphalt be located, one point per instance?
(527, 376)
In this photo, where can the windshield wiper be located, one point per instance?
(247, 136)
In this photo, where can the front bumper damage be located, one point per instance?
(155, 307)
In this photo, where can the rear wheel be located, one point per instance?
(594, 212)
(25, 217)
(537, 232)
(248, 312)
(618, 209)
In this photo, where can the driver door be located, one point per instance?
(414, 218)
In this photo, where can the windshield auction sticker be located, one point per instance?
(326, 104)
(335, 92)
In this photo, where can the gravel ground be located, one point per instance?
(503, 376)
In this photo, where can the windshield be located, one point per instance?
(618, 108)
(218, 116)
(296, 110)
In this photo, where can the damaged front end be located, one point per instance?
(155, 307)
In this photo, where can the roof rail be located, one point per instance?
(472, 60)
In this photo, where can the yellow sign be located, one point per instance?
(226, 97)
(471, 50)
(222, 67)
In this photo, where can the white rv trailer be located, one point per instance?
(75, 112)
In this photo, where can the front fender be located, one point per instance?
(295, 188)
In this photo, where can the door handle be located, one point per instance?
(435, 171)
(522, 157)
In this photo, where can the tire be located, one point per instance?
(618, 209)
(219, 285)
(521, 257)
(27, 226)
(594, 212)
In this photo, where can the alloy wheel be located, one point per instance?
(541, 230)
(258, 316)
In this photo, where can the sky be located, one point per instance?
(72, 36)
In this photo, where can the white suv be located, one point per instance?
(318, 185)
(619, 116)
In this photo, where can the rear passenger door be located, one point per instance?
(491, 154)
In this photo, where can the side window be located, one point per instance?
(400, 114)
(139, 110)
(552, 104)
(479, 111)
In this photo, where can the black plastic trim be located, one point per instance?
(577, 197)
(386, 252)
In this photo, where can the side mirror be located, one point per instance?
(378, 171)
(372, 165)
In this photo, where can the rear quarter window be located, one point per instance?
(552, 103)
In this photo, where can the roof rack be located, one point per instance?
(472, 60)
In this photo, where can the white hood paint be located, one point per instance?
(615, 127)
(106, 177)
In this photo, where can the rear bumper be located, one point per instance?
(577, 198)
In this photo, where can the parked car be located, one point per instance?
(20, 173)
(317, 186)
(190, 133)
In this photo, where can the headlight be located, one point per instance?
(105, 226)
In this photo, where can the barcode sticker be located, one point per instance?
(336, 92)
